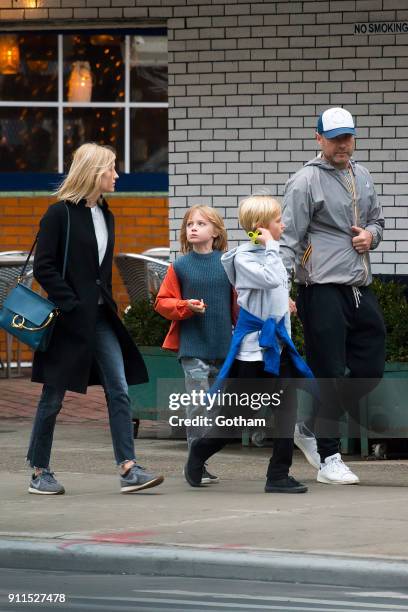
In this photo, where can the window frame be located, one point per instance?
(129, 181)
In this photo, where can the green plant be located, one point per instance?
(394, 306)
(144, 324)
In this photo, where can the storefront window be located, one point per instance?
(59, 90)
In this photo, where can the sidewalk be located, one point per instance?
(231, 524)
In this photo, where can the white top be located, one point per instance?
(101, 233)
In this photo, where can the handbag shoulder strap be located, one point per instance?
(64, 267)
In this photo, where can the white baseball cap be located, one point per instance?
(335, 121)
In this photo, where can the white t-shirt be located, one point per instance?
(101, 233)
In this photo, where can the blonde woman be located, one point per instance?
(89, 344)
(197, 297)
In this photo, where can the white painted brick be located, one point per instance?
(202, 156)
(237, 54)
(225, 112)
(200, 112)
(371, 51)
(238, 145)
(210, 190)
(60, 13)
(329, 17)
(250, 20)
(289, 7)
(190, 190)
(187, 146)
(224, 44)
(240, 122)
(291, 122)
(212, 78)
(212, 101)
(343, 52)
(355, 86)
(200, 179)
(401, 269)
(237, 190)
(80, 13)
(252, 156)
(214, 123)
(395, 51)
(211, 9)
(213, 145)
(222, 179)
(302, 18)
(230, 156)
(239, 100)
(383, 269)
(303, 88)
(185, 11)
(250, 43)
(198, 45)
(316, 75)
(263, 8)
(250, 88)
(370, 98)
(346, 99)
(265, 167)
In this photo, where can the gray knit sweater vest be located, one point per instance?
(205, 336)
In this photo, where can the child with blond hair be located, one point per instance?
(196, 296)
(262, 355)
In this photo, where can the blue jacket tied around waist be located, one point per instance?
(271, 332)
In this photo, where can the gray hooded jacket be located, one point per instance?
(261, 282)
(318, 213)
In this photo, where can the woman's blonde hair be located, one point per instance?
(219, 243)
(258, 211)
(89, 162)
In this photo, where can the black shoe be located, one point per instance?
(207, 477)
(193, 470)
(285, 485)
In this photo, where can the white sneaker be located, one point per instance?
(306, 442)
(335, 471)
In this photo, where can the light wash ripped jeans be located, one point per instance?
(199, 374)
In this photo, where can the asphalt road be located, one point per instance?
(107, 593)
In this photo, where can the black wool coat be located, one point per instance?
(68, 361)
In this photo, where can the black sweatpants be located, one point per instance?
(250, 377)
(345, 345)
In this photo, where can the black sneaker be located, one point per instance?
(136, 479)
(285, 485)
(194, 468)
(207, 477)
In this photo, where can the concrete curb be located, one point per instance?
(172, 561)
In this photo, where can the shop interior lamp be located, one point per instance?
(9, 54)
(80, 83)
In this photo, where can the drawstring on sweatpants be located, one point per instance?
(357, 296)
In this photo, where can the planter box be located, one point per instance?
(384, 411)
(165, 376)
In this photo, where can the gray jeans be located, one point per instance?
(198, 375)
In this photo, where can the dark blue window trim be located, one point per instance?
(31, 181)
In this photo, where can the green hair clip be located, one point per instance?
(254, 235)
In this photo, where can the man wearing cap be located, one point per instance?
(333, 219)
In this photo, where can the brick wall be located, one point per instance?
(247, 80)
(141, 223)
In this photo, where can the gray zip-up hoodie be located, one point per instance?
(261, 282)
(318, 213)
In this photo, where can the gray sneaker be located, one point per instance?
(137, 478)
(45, 484)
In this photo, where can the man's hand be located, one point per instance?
(197, 306)
(292, 306)
(361, 242)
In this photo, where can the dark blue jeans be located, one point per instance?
(109, 360)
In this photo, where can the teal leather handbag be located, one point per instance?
(28, 316)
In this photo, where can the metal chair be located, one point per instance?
(158, 253)
(141, 275)
(11, 263)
